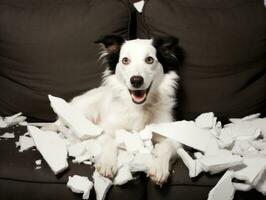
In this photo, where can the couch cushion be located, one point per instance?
(225, 53)
(47, 46)
(19, 178)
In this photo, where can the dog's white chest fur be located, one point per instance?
(111, 107)
(119, 116)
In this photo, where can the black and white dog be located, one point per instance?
(138, 89)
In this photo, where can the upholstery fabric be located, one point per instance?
(47, 47)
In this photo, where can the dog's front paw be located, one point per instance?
(159, 171)
(106, 166)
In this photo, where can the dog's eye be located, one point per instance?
(125, 61)
(149, 60)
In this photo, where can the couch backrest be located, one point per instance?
(47, 47)
(225, 53)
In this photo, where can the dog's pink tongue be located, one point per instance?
(138, 95)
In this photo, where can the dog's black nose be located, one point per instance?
(136, 81)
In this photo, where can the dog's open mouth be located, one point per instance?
(139, 96)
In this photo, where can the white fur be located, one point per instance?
(111, 106)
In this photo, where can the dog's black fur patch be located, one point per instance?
(168, 53)
(112, 45)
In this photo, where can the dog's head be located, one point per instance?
(140, 64)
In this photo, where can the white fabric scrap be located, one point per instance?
(101, 185)
(80, 184)
(52, 148)
(7, 135)
(25, 143)
(74, 119)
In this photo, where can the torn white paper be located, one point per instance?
(52, 148)
(11, 120)
(101, 185)
(205, 120)
(260, 182)
(139, 5)
(86, 150)
(123, 175)
(124, 158)
(38, 162)
(80, 184)
(219, 162)
(38, 167)
(247, 118)
(254, 167)
(77, 149)
(224, 189)
(25, 143)
(7, 135)
(74, 119)
(194, 166)
(141, 162)
(183, 131)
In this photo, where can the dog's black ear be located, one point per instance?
(169, 54)
(111, 46)
(112, 43)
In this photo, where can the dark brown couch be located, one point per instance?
(47, 46)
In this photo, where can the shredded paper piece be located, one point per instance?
(101, 185)
(76, 120)
(139, 5)
(11, 120)
(7, 135)
(80, 184)
(52, 148)
(25, 143)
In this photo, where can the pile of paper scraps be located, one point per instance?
(239, 148)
